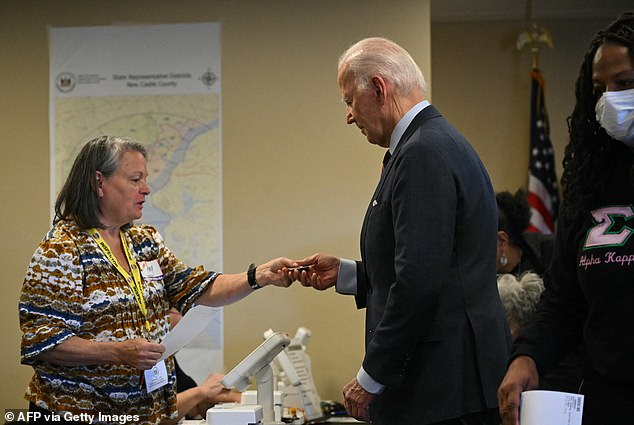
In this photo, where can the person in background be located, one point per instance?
(520, 297)
(589, 291)
(95, 298)
(520, 251)
(192, 399)
(436, 337)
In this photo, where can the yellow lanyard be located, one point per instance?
(135, 281)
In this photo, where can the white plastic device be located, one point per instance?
(257, 364)
(250, 397)
(297, 380)
(234, 414)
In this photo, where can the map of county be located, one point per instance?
(182, 137)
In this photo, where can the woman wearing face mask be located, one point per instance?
(590, 285)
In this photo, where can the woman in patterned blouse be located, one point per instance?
(97, 292)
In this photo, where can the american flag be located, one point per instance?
(543, 195)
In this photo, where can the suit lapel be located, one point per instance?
(424, 115)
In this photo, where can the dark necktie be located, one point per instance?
(386, 159)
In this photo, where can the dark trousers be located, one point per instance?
(488, 417)
(607, 403)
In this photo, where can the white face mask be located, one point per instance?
(615, 113)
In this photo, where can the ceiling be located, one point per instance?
(498, 10)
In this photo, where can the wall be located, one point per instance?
(481, 84)
(296, 178)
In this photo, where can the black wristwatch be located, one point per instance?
(251, 277)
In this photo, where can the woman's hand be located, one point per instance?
(275, 272)
(139, 353)
(521, 376)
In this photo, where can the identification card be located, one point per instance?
(156, 377)
(150, 270)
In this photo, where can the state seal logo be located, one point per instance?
(65, 82)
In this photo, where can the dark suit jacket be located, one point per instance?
(436, 334)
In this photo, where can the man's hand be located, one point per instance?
(357, 401)
(321, 274)
(521, 376)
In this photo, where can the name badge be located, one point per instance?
(150, 270)
(156, 377)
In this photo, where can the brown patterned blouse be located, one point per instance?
(71, 289)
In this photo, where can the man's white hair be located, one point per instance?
(383, 57)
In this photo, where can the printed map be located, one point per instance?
(181, 133)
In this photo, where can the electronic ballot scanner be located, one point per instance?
(294, 379)
(285, 392)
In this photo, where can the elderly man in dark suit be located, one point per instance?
(436, 335)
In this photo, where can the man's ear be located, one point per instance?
(380, 88)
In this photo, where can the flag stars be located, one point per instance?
(544, 153)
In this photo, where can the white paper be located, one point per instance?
(187, 329)
(550, 408)
(132, 60)
(204, 354)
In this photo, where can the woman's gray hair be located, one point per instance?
(78, 199)
(380, 56)
(520, 297)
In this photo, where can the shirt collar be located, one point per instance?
(402, 125)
